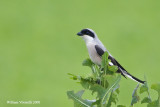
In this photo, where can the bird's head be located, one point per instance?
(87, 34)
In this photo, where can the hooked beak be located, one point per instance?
(79, 34)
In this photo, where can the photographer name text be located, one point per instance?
(23, 102)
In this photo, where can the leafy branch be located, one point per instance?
(145, 89)
(104, 82)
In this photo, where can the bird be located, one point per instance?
(96, 49)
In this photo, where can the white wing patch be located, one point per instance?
(110, 63)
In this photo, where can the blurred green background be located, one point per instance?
(39, 46)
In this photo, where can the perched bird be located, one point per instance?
(96, 49)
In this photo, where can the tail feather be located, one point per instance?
(132, 77)
(123, 71)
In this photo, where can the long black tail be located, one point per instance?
(123, 71)
(126, 74)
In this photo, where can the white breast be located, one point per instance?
(93, 53)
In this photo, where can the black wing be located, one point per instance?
(99, 50)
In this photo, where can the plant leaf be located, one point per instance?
(113, 98)
(135, 97)
(74, 77)
(112, 68)
(78, 101)
(111, 87)
(155, 103)
(146, 100)
(156, 87)
(104, 62)
(99, 89)
(143, 88)
(87, 62)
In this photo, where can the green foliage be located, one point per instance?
(104, 83)
(135, 97)
(78, 101)
(154, 104)
(87, 62)
(105, 62)
(156, 87)
(112, 86)
(146, 100)
(145, 89)
(113, 98)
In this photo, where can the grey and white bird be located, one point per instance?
(96, 49)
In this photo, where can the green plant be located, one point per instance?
(104, 81)
(145, 89)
